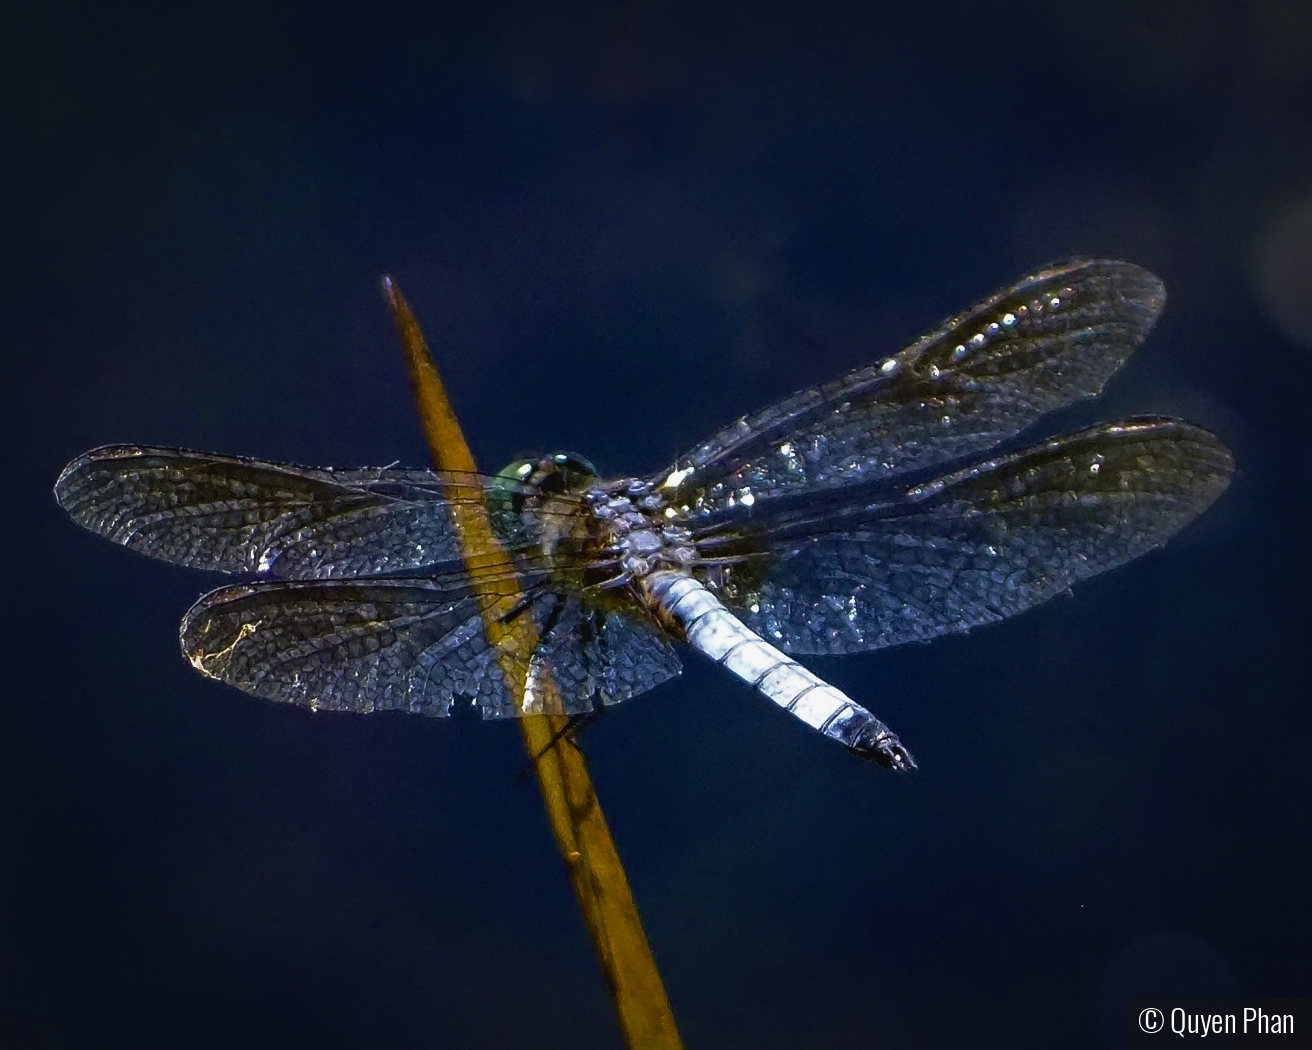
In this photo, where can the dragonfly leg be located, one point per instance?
(568, 733)
(610, 584)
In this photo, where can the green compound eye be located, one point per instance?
(516, 473)
(558, 472)
(572, 471)
(518, 482)
(505, 499)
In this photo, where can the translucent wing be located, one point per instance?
(590, 654)
(239, 515)
(416, 644)
(980, 379)
(975, 546)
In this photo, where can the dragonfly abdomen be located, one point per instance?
(697, 615)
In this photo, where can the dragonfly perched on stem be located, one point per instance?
(885, 507)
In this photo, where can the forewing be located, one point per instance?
(978, 545)
(238, 515)
(980, 379)
(417, 644)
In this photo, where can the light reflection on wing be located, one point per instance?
(416, 644)
(975, 546)
(238, 515)
(980, 379)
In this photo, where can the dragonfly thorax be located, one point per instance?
(632, 523)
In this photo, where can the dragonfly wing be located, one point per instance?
(590, 655)
(978, 545)
(416, 644)
(238, 515)
(980, 379)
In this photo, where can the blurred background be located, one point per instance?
(622, 225)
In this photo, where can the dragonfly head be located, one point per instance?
(528, 480)
(552, 474)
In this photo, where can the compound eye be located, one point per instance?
(573, 463)
(520, 470)
(572, 469)
(507, 493)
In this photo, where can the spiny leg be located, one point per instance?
(568, 734)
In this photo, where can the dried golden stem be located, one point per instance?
(593, 864)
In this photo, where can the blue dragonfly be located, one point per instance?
(892, 505)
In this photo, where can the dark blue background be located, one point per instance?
(621, 226)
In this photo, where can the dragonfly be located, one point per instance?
(895, 504)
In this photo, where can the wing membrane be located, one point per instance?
(238, 515)
(416, 644)
(980, 544)
(980, 379)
